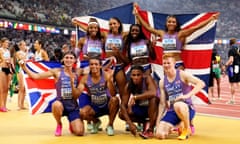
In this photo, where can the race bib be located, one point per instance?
(138, 50)
(92, 48)
(99, 100)
(169, 44)
(110, 42)
(236, 69)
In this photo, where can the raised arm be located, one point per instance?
(144, 24)
(187, 32)
(49, 73)
(76, 91)
(197, 83)
(81, 25)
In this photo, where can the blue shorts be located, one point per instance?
(85, 100)
(140, 111)
(100, 111)
(72, 115)
(71, 109)
(172, 118)
(118, 68)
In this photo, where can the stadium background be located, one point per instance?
(53, 17)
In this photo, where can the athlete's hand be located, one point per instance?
(216, 16)
(135, 8)
(133, 129)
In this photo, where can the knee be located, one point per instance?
(83, 113)
(79, 132)
(57, 105)
(180, 106)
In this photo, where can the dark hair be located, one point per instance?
(232, 41)
(133, 88)
(98, 35)
(137, 67)
(40, 42)
(96, 58)
(177, 29)
(120, 29)
(130, 39)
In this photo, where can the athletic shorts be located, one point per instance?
(85, 100)
(140, 111)
(172, 118)
(71, 111)
(5, 70)
(217, 72)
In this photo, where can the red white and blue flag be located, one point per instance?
(197, 52)
(41, 92)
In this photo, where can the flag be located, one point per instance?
(197, 52)
(124, 13)
(41, 93)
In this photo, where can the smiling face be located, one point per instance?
(171, 23)
(93, 29)
(168, 64)
(135, 31)
(94, 66)
(69, 59)
(114, 26)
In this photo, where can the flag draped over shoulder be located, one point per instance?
(197, 52)
(42, 92)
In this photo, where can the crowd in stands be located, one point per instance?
(60, 12)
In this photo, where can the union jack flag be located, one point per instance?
(41, 93)
(197, 53)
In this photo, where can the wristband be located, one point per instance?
(134, 97)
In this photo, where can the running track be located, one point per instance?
(219, 107)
